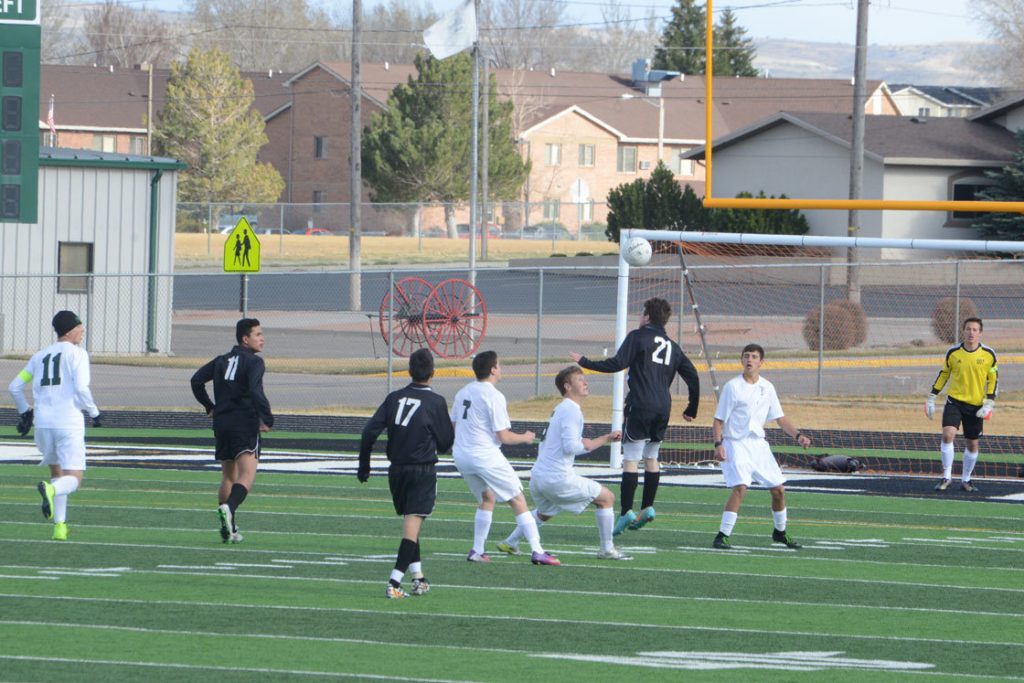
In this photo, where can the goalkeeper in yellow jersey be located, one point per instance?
(973, 375)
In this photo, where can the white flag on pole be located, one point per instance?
(453, 32)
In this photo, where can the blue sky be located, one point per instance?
(891, 22)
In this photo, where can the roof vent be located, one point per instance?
(552, 72)
(918, 119)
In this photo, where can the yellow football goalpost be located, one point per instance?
(710, 201)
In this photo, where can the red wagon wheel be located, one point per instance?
(410, 295)
(455, 319)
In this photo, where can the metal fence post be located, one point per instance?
(821, 327)
(391, 326)
(956, 308)
(540, 314)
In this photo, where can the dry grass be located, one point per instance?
(194, 250)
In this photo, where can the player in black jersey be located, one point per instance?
(653, 360)
(418, 427)
(240, 412)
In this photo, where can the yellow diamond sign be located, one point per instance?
(242, 249)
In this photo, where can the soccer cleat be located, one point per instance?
(60, 531)
(474, 556)
(641, 521)
(395, 593)
(968, 486)
(509, 548)
(623, 522)
(45, 489)
(545, 558)
(613, 554)
(722, 542)
(942, 485)
(235, 537)
(784, 538)
(226, 523)
(419, 586)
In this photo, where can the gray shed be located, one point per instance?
(103, 247)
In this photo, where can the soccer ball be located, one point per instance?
(637, 251)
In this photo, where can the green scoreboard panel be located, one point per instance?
(19, 110)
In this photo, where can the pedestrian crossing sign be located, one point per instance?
(242, 249)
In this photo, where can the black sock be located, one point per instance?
(651, 480)
(416, 555)
(406, 553)
(394, 583)
(237, 495)
(627, 490)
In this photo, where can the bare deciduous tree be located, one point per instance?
(119, 35)
(521, 34)
(1005, 21)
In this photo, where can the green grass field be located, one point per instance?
(884, 589)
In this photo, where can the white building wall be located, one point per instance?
(109, 208)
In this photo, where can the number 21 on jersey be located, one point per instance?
(662, 353)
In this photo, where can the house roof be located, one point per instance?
(953, 96)
(105, 99)
(897, 139)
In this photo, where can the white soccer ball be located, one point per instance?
(637, 251)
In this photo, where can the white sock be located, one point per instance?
(947, 460)
(605, 523)
(517, 533)
(728, 522)
(416, 569)
(62, 486)
(528, 524)
(481, 528)
(970, 460)
(396, 576)
(780, 519)
(60, 509)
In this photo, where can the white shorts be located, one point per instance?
(749, 460)
(60, 446)
(489, 472)
(572, 494)
(640, 450)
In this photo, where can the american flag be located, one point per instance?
(49, 120)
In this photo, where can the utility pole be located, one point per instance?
(860, 67)
(355, 294)
(485, 169)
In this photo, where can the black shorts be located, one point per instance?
(640, 425)
(232, 442)
(956, 412)
(413, 488)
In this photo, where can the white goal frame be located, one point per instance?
(622, 290)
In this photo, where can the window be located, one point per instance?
(49, 139)
(319, 147)
(552, 209)
(74, 258)
(552, 154)
(684, 167)
(586, 155)
(585, 212)
(318, 199)
(967, 190)
(626, 160)
(104, 143)
(924, 111)
(138, 144)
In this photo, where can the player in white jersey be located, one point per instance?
(480, 417)
(59, 375)
(554, 483)
(746, 404)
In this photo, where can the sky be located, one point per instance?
(890, 22)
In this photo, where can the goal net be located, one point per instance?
(855, 332)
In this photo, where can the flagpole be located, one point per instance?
(474, 152)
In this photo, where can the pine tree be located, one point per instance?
(734, 52)
(418, 149)
(208, 122)
(1009, 187)
(658, 203)
(682, 41)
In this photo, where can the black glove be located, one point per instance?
(363, 473)
(25, 422)
(98, 420)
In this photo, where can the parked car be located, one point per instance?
(493, 231)
(312, 231)
(227, 222)
(547, 231)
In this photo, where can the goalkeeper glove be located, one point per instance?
(986, 408)
(929, 406)
(98, 420)
(363, 474)
(25, 422)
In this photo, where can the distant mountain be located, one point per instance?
(942, 64)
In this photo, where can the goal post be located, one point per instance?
(782, 291)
